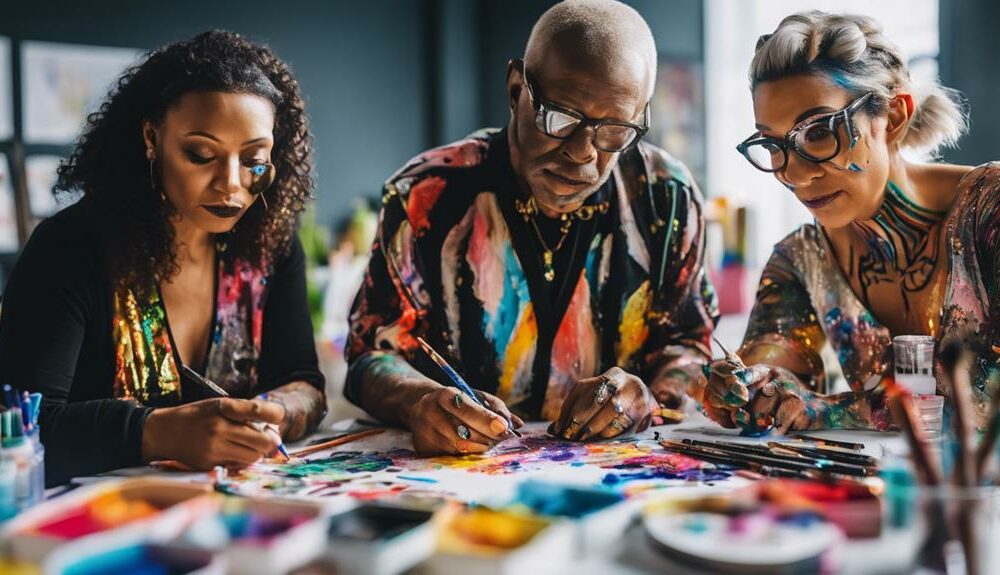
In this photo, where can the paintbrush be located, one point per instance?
(213, 388)
(989, 441)
(832, 442)
(843, 456)
(728, 461)
(731, 357)
(335, 442)
(460, 383)
(954, 360)
(774, 455)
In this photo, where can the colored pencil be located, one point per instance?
(335, 442)
(460, 383)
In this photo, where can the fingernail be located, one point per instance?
(498, 425)
(582, 433)
(462, 445)
(552, 429)
(742, 417)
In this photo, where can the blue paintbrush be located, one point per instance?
(460, 383)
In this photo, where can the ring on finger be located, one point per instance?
(618, 407)
(604, 390)
(621, 423)
(463, 432)
(768, 389)
(572, 428)
(457, 400)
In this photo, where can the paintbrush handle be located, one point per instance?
(989, 441)
(335, 442)
(905, 414)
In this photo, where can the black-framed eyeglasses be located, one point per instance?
(818, 139)
(561, 123)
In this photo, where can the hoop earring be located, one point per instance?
(152, 178)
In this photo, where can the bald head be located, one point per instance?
(603, 37)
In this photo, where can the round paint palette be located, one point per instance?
(750, 543)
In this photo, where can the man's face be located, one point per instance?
(562, 174)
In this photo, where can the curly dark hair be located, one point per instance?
(109, 166)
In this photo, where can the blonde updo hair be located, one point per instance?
(851, 51)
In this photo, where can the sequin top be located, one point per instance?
(102, 358)
(456, 264)
(804, 300)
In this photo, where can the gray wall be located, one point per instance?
(970, 48)
(360, 65)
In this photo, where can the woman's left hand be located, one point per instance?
(611, 404)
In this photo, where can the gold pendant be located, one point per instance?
(549, 271)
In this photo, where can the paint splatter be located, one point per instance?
(338, 464)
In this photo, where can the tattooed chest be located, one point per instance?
(896, 271)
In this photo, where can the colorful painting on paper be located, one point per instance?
(373, 472)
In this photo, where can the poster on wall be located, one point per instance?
(677, 112)
(41, 173)
(6, 90)
(8, 215)
(62, 83)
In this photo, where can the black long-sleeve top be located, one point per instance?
(56, 337)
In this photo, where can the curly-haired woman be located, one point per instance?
(181, 252)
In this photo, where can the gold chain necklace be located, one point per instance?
(529, 209)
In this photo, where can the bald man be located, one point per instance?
(556, 264)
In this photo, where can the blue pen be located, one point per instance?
(26, 410)
(215, 389)
(459, 382)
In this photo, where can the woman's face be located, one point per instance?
(205, 149)
(851, 185)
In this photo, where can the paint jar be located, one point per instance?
(8, 480)
(914, 361)
(28, 456)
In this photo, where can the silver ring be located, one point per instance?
(604, 390)
(618, 407)
(768, 389)
(463, 432)
(457, 400)
(621, 423)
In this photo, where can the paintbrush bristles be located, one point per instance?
(955, 362)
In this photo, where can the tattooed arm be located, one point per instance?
(304, 407)
(782, 349)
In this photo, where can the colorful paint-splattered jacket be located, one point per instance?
(804, 300)
(455, 264)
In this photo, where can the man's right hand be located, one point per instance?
(446, 421)
(211, 432)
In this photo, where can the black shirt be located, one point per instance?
(56, 338)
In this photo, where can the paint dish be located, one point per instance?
(379, 540)
(131, 559)
(739, 535)
(594, 511)
(272, 536)
(490, 542)
(106, 510)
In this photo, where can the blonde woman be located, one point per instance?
(897, 247)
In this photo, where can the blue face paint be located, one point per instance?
(855, 168)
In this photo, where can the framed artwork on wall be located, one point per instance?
(62, 83)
